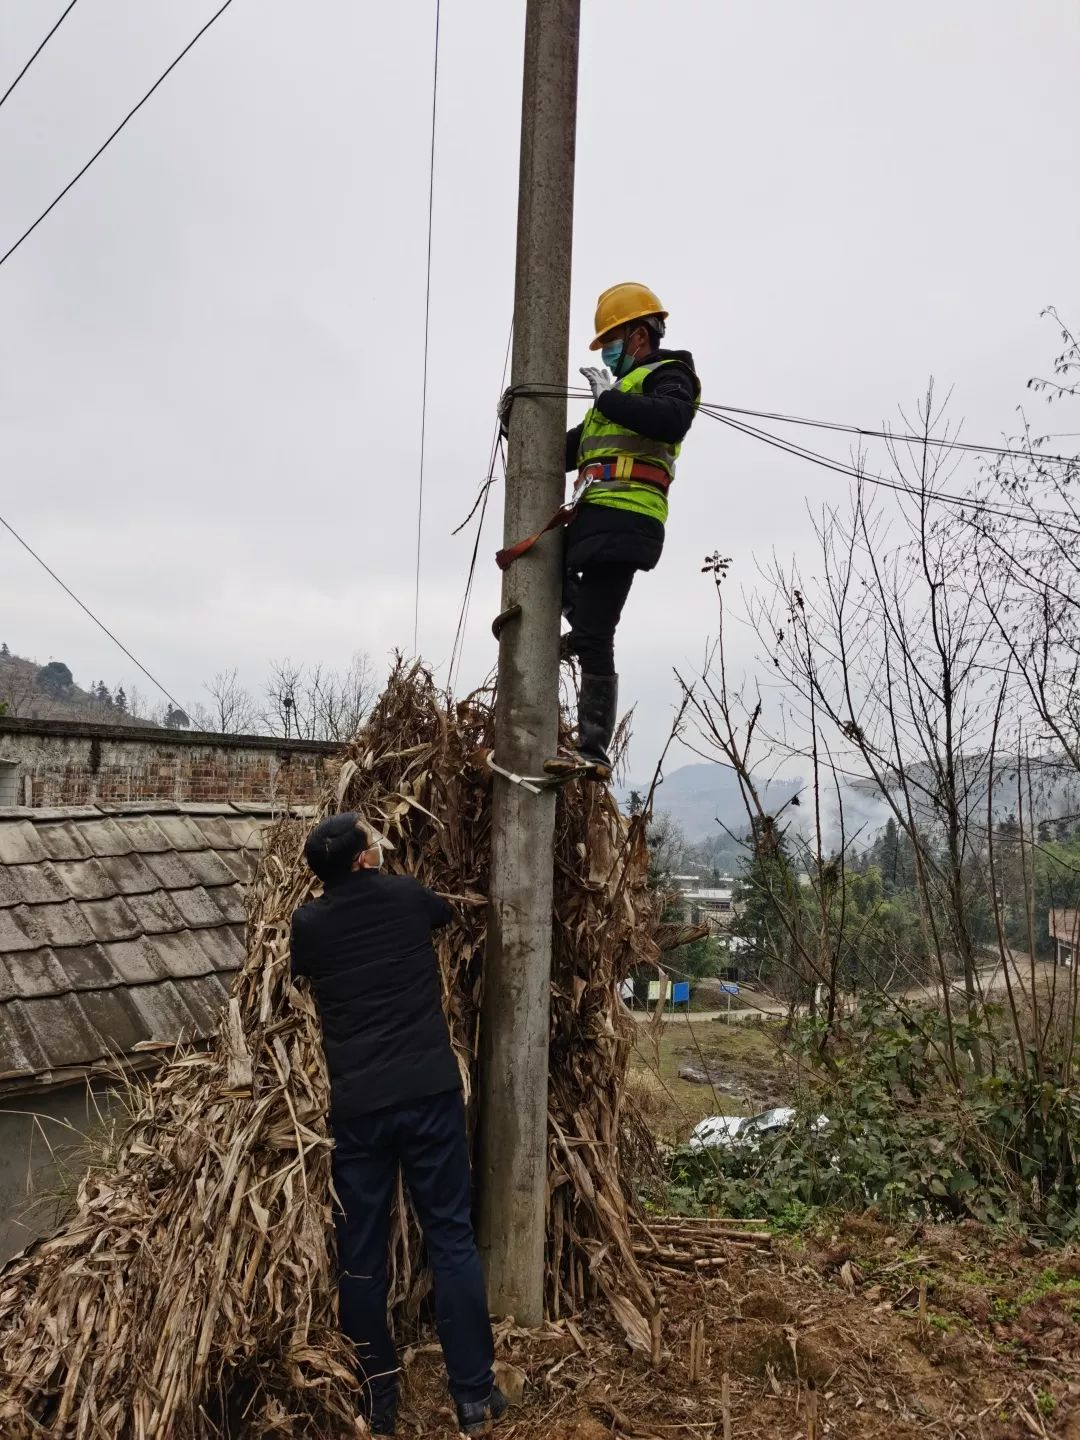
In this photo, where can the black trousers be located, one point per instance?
(428, 1139)
(593, 600)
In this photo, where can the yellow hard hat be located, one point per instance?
(622, 303)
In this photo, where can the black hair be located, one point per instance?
(335, 843)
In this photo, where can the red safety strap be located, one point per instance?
(505, 558)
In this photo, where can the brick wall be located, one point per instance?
(56, 762)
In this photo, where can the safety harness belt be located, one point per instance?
(594, 474)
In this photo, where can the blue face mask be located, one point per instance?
(614, 356)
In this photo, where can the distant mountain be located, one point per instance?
(32, 691)
(698, 796)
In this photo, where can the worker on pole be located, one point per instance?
(624, 453)
(365, 948)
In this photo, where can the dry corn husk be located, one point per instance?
(191, 1292)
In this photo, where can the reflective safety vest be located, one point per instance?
(614, 451)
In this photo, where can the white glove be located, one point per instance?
(599, 378)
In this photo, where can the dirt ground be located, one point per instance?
(859, 1330)
(830, 1324)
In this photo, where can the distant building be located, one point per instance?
(1065, 933)
(717, 906)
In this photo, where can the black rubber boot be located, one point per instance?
(598, 704)
(379, 1408)
(478, 1418)
(383, 1419)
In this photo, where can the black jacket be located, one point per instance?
(664, 410)
(365, 946)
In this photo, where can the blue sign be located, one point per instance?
(728, 987)
(680, 992)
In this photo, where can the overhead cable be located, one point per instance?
(427, 332)
(102, 148)
(854, 472)
(898, 437)
(498, 453)
(82, 606)
(1048, 520)
(37, 52)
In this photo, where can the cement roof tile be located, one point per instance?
(196, 907)
(36, 972)
(250, 833)
(61, 924)
(208, 868)
(103, 837)
(17, 932)
(218, 831)
(224, 948)
(180, 955)
(8, 989)
(117, 1018)
(240, 862)
(62, 1033)
(19, 843)
(40, 814)
(135, 961)
(142, 834)
(83, 879)
(86, 967)
(111, 919)
(173, 871)
(39, 884)
(204, 807)
(137, 807)
(180, 832)
(230, 902)
(205, 996)
(130, 874)
(164, 1015)
(20, 1050)
(63, 840)
(155, 913)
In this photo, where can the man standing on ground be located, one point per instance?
(395, 1099)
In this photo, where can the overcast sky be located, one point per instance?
(212, 349)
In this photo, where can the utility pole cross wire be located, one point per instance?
(517, 985)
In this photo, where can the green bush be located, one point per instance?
(903, 1135)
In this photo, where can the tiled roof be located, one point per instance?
(119, 929)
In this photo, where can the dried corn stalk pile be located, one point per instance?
(192, 1292)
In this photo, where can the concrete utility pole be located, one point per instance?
(517, 994)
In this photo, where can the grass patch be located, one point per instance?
(742, 1057)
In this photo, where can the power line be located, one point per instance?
(497, 452)
(102, 148)
(897, 436)
(901, 437)
(37, 52)
(427, 331)
(853, 472)
(1049, 520)
(99, 623)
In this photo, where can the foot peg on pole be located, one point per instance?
(513, 613)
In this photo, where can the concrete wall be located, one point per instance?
(43, 1154)
(57, 762)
